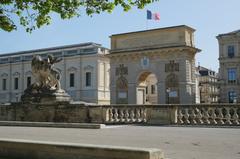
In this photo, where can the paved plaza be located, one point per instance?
(176, 142)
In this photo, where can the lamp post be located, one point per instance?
(168, 99)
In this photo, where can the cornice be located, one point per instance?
(152, 52)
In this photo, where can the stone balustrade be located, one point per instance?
(126, 114)
(177, 114)
(214, 114)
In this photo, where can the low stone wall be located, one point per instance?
(22, 149)
(193, 114)
(61, 112)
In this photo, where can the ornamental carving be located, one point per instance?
(4, 75)
(172, 66)
(122, 83)
(121, 70)
(88, 67)
(172, 80)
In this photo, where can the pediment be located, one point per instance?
(16, 74)
(72, 69)
(4, 75)
(88, 67)
(28, 73)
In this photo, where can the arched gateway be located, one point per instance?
(153, 66)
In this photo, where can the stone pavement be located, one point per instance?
(176, 142)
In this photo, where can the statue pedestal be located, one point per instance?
(45, 96)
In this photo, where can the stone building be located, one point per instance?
(208, 85)
(229, 71)
(153, 66)
(84, 69)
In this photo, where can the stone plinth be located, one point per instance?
(45, 96)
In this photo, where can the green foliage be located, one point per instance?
(36, 13)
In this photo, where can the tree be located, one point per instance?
(36, 13)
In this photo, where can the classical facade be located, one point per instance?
(208, 85)
(229, 61)
(84, 69)
(153, 66)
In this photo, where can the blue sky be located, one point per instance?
(208, 17)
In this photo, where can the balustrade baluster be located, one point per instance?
(213, 116)
(186, 116)
(115, 115)
(144, 114)
(138, 115)
(193, 116)
(235, 117)
(121, 115)
(228, 116)
(220, 116)
(206, 116)
(132, 115)
(180, 116)
(199, 116)
(127, 115)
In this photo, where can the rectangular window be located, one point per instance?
(232, 75)
(4, 60)
(231, 51)
(16, 59)
(232, 97)
(89, 51)
(57, 54)
(29, 81)
(71, 80)
(153, 89)
(146, 90)
(4, 84)
(16, 83)
(70, 53)
(28, 58)
(88, 79)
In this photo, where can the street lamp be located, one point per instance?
(168, 99)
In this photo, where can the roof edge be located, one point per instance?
(51, 48)
(165, 28)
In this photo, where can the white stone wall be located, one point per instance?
(96, 63)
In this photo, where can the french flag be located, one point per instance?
(153, 16)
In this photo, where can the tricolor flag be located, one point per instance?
(153, 16)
